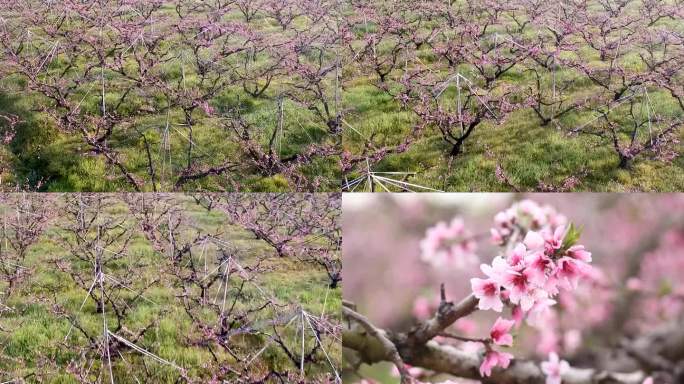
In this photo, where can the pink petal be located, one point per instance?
(533, 240)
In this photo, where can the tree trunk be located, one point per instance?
(624, 162)
(335, 281)
(456, 149)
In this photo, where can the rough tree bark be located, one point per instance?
(662, 349)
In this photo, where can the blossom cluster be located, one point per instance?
(530, 273)
(541, 259)
(449, 245)
(658, 284)
(645, 232)
(523, 216)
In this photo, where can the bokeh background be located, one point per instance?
(637, 241)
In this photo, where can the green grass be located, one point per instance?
(528, 152)
(33, 334)
(43, 157)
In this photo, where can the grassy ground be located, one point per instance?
(60, 162)
(42, 157)
(528, 152)
(32, 333)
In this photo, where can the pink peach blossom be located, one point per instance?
(578, 252)
(554, 369)
(497, 270)
(492, 359)
(569, 271)
(519, 287)
(517, 256)
(496, 236)
(533, 240)
(539, 312)
(449, 245)
(500, 332)
(553, 241)
(488, 294)
(538, 264)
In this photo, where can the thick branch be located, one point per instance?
(453, 361)
(446, 315)
(379, 335)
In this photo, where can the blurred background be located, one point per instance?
(637, 241)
